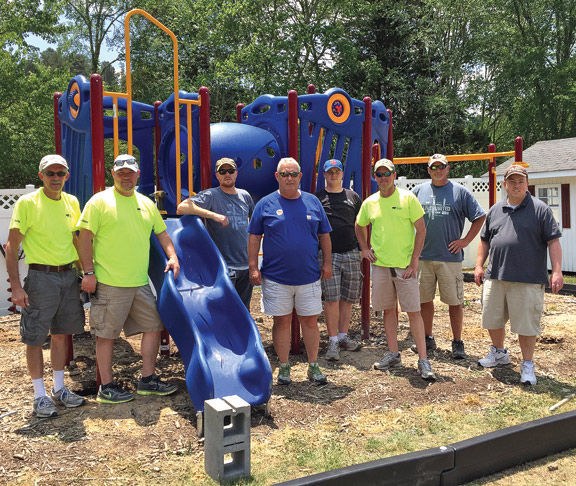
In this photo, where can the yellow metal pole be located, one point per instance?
(176, 90)
(453, 158)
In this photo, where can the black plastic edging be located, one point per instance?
(416, 468)
(493, 452)
(460, 462)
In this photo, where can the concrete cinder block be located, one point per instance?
(227, 438)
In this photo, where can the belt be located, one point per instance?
(50, 268)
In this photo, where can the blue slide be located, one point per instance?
(217, 338)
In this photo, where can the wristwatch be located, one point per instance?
(89, 273)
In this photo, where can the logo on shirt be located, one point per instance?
(279, 212)
(138, 209)
(68, 215)
(308, 217)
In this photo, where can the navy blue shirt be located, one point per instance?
(290, 245)
(518, 239)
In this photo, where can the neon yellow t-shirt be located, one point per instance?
(47, 226)
(392, 219)
(122, 227)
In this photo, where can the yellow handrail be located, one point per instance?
(453, 158)
(176, 91)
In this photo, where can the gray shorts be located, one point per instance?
(132, 309)
(54, 306)
(346, 281)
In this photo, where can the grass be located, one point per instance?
(373, 435)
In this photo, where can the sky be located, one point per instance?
(105, 54)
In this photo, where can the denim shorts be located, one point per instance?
(54, 306)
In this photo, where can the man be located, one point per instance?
(227, 210)
(114, 246)
(516, 235)
(344, 288)
(397, 238)
(43, 221)
(293, 224)
(447, 205)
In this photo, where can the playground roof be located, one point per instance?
(547, 158)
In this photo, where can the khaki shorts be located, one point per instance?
(132, 309)
(279, 299)
(450, 281)
(387, 284)
(522, 303)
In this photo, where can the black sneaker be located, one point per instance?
(113, 393)
(155, 387)
(430, 345)
(458, 349)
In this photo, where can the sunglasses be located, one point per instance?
(51, 173)
(120, 163)
(289, 174)
(226, 171)
(388, 173)
(438, 167)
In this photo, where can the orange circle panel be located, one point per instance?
(338, 108)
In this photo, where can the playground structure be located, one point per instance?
(178, 148)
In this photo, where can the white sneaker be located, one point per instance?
(333, 352)
(527, 375)
(496, 357)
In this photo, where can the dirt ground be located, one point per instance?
(154, 439)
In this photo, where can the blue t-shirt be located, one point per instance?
(447, 207)
(231, 240)
(290, 245)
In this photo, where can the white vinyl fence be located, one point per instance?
(8, 198)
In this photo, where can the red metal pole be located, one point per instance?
(492, 177)
(57, 128)
(366, 183)
(375, 153)
(293, 152)
(157, 141)
(518, 149)
(239, 107)
(205, 162)
(293, 124)
(390, 145)
(97, 130)
(311, 89)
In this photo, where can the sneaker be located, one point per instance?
(44, 407)
(67, 398)
(155, 387)
(496, 357)
(333, 352)
(284, 374)
(425, 369)
(430, 345)
(389, 360)
(349, 344)
(315, 375)
(527, 375)
(113, 393)
(458, 349)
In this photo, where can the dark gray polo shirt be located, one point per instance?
(518, 239)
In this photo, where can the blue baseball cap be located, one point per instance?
(331, 164)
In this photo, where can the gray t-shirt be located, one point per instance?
(447, 207)
(518, 239)
(231, 240)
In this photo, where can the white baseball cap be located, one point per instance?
(52, 159)
(125, 161)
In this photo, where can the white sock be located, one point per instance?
(58, 380)
(342, 335)
(333, 339)
(39, 390)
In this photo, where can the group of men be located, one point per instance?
(312, 248)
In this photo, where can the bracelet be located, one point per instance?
(89, 273)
